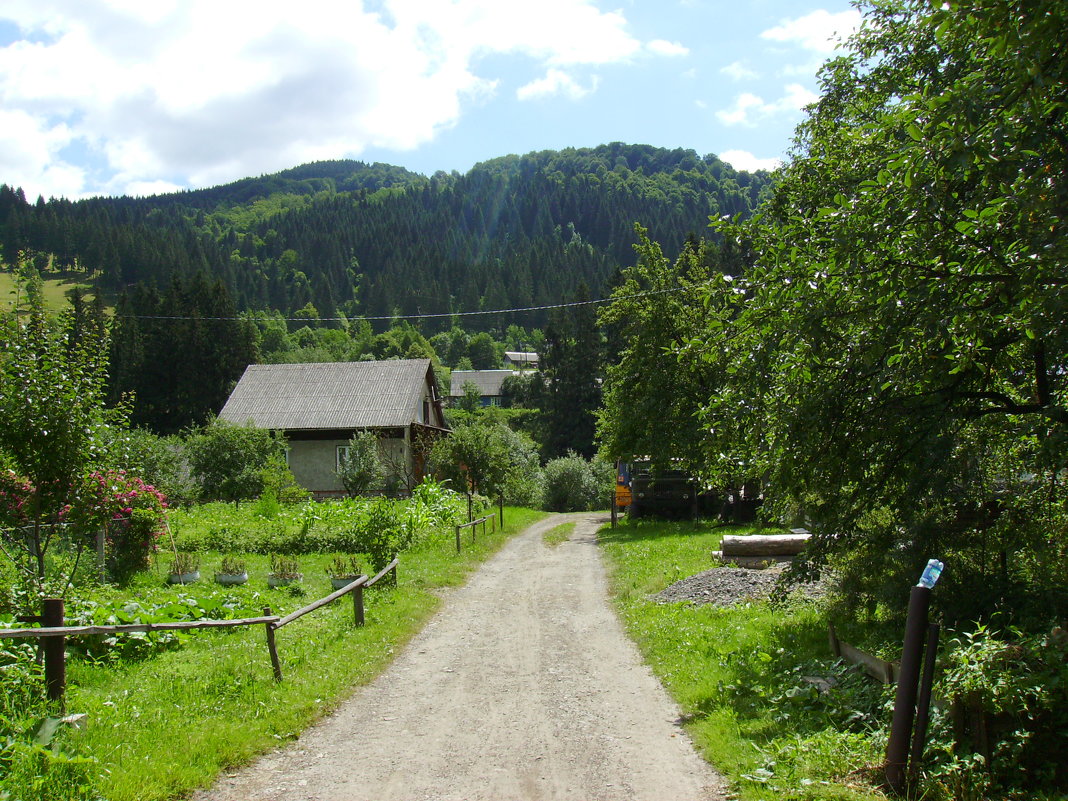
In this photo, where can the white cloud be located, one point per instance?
(662, 47)
(749, 109)
(819, 31)
(555, 82)
(738, 71)
(744, 160)
(192, 92)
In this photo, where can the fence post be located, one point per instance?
(271, 648)
(357, 605)
(457, 538)
(54, 650)
(923, 703)
(101, 555)
(502, 511)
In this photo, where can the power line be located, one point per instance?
(520, 310)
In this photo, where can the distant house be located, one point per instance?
(520, 362)
(318, 407)
(489, 383)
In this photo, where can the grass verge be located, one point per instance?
(739, 673)
(166, 725)
(558, 535)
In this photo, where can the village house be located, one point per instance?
(319, 407)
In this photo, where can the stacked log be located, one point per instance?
(761, 550)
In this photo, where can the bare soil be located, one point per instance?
(523, 686)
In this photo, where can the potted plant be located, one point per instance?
(284, 571)
(185, 569)
(343, 570)
(231, 571)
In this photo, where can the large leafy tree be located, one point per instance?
(654, 388)
(905, 328)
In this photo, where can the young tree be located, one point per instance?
(360, 467)
(52, 415)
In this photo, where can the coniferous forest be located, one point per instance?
(377, 241)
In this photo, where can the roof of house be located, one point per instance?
(520, 357)
(330, 395)
(488, 381)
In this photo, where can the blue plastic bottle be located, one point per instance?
(931, 574)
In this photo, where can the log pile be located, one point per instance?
(761, 550)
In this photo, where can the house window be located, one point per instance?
(342, 453)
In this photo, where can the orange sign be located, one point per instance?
(622, 495)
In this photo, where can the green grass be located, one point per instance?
(737, 673)
(168, 724)
(559, 535)
(54, 287)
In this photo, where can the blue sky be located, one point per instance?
(139, 97)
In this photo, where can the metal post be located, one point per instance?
(271, 647)
(357, 605)
(923, 704)
(502, 511)
(54, 650)
(897, 747)
(457, 539)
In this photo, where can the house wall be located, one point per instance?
(313, 462)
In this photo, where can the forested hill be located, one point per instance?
(371, 240)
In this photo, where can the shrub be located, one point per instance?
(1018, 685)
(131, 513)
(574, 485)
(228, 461)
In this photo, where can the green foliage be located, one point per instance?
(157, 460)
(228, 461)
(1018, 685)
(573, 484)
(653, 388)
(477, 457)
(893, 358)
(360, 468)
(39, 757)
(568, 390)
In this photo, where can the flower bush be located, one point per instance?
(131, 512)
(15, 492)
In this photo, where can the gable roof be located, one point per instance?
(488, 381)
(330, 395)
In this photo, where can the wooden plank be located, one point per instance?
(877, 668)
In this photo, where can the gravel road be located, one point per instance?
(523, 686)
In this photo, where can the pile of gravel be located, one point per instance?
(724, 586)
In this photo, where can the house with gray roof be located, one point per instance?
(488, 382)
(319, 407)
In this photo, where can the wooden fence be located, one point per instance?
(53, 634)
(473, 526)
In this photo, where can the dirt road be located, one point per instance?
(522, 687)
